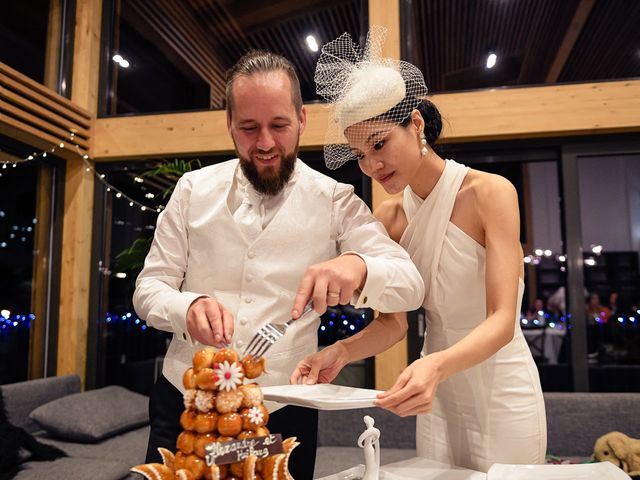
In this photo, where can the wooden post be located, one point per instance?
(78, 202)
(386, 13)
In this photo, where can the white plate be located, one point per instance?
(324, 396)
(587, 471)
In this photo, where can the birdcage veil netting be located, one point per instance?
(362, 86)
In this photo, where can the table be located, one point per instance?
(553, 338)
(414, 468)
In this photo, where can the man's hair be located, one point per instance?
(262, 61)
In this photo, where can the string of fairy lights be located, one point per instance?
(70, 144)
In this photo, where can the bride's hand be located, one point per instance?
(415, 388)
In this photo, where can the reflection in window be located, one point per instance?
(167, 56)
(23, 37)
(25, 263)
(462, 45)
(610, 218)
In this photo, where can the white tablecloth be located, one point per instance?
(413, 468)
(424, 469)
(553, 338)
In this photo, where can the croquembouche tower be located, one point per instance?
(225, 434)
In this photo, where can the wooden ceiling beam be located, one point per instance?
(571, 36)
(484, 115)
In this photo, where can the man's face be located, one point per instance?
(265, 129)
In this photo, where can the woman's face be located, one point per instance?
(386, 152)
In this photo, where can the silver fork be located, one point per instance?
(269, 334)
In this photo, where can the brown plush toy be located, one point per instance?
(619, 449)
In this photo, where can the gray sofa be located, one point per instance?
(107, 459)
(574, 422)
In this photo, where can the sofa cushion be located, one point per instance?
(94, 415)
(74, 469)
(23, 397)
(129, 448)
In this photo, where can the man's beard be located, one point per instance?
(269, 182)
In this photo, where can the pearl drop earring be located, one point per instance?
(423, 141)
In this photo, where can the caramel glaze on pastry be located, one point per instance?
(201, 442)
(203, 359)
(206, 379)
(185, 442)
(189, 379)
(227, 354)
(206, 422)
(188, 419)
(252, 368)
(230, 424)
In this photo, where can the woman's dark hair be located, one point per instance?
(432, 121)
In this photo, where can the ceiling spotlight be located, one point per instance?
(597, 249)
(492, 58)
(590, 261)
(562, 258)
(538, 251)
(548, 253)
(312, 43)
(119, 59)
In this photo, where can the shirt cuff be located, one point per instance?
(371, 293)
(178, 315)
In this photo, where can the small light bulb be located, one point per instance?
(492, 58)
(312, 43)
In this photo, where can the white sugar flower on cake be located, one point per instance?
(256, 416)
(229, 376)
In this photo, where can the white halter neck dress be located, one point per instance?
(494, 411)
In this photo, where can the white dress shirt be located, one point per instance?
(199, 250)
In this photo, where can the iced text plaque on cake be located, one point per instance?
(237, 450)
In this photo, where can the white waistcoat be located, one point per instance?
(256, 281)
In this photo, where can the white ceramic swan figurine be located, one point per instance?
(369, 440)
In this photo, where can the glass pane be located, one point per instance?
(168, 56)
(610, 217)
(25, 235)
(129, 353)
(462, 45)
(23, 36)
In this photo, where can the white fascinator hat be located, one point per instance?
(361, 86)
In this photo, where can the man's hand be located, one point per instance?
(321, 367)
(209, 322)
(330, 283)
